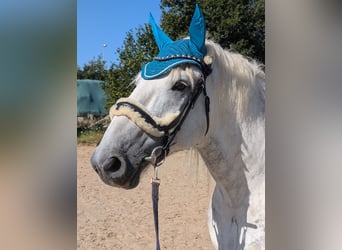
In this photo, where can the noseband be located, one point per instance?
(166, 127)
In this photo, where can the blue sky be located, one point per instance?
(106, 22)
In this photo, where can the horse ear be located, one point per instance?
(159, 35)
(197, 30)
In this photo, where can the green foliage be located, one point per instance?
(138, 48)
(91, 133)
(94, 70)
(89, 136)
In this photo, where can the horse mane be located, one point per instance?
(241, 80)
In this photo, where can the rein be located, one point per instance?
(166, 127)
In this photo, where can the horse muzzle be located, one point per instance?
(118, 171)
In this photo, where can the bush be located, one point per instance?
(90, 132)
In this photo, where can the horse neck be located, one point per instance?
(222, 154)
(233, 151)
(235, 141)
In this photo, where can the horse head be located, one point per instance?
(165, 113)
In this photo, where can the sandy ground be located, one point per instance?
(113, 218)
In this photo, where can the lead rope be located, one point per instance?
(156, 158)
(155, 198)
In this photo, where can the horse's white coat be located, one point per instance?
(233, 149)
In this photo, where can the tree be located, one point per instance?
(94, 70)
(138, 49)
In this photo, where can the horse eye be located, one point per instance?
(180, 85)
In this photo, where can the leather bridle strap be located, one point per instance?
(168, 138)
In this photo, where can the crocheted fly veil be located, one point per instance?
(173, 53)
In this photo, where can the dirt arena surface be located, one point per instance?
(113, 218)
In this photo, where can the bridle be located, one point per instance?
(167, 130)
(154, 127)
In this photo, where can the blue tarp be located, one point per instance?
(90, 97)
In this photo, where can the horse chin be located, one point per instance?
(134, 180)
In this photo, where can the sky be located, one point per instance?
(102, 22)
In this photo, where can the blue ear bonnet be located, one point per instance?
(174, 53)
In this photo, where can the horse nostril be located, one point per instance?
(112, 165)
